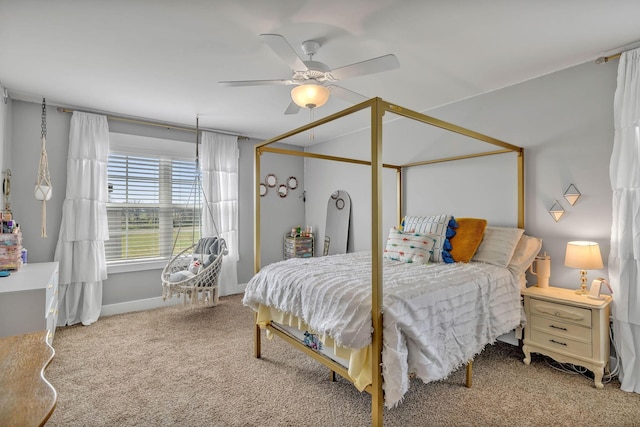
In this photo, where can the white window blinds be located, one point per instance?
(154, 206)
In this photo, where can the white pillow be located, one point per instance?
(526, 250)
(498, 245)
(409, 247)
(436, 224)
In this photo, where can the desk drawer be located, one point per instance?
(561, 344)
(580, 316)
(561, 329)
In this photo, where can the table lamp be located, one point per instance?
(585, 256)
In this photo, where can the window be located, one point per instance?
(154, 202)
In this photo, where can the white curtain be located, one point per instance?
(219, 164)
(80, 247)
(624, 259)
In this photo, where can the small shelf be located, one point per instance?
(298, 246)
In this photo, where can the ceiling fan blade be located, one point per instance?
(370, 66)
(283, 49)
(257, 83)
(293, 108)
(346, 94)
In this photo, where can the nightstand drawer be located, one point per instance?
(561, 328)
(581, 316)
(561, 344)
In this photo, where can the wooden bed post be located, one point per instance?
(521, 188)
(257, 344)
(400, 193)
(377, 397)
(256, 242)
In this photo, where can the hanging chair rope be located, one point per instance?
(43, 182)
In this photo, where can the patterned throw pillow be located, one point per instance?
(440, 225)
(409, 247)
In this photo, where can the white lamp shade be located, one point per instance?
(43, 192)
(583, 255)
(310, 95)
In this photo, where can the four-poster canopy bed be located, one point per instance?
(370, 376)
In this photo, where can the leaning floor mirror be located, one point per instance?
(336, 231)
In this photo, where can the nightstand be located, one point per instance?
(567, 327)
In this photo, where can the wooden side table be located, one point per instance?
(26, 397)
(567, 327)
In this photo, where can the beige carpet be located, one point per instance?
(194, 367)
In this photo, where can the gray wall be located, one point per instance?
(280, 214)
(565, 123)
(23, 162)
(24, 148)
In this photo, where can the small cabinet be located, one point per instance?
(567, 327)
(298, 246)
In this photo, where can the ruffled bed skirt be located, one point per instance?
(359, 366)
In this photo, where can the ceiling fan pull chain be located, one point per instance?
(311, 135)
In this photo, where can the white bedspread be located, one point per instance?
(436, 316)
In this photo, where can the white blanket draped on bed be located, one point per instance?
(436, 316)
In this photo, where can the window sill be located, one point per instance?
(131, 266)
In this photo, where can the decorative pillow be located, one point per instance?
(409, 247)
(498, 245)
(440, 225)
(526, 250)
(179, 276)
(467, 239)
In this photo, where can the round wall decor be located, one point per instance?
(271, 180)
(292, 183)
(283, 190)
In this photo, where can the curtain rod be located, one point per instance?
(604, 59)
(626, 48)
(149, 123)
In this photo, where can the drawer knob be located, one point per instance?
(558, 327)
(558, 342)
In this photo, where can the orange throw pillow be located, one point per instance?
(467, 239)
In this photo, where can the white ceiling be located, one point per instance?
(162, 60)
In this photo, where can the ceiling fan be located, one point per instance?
(314, 80)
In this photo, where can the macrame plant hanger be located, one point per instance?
(43, 181)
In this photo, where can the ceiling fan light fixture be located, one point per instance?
(310, 95)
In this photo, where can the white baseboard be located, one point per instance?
(509, 338)
(137, 305)
(150, 303)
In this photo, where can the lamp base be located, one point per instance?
(583, 283)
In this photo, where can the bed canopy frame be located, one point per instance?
(378, 108)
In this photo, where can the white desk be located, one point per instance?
(29, 300)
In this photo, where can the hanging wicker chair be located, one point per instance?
(194, 273)
(200, 287)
